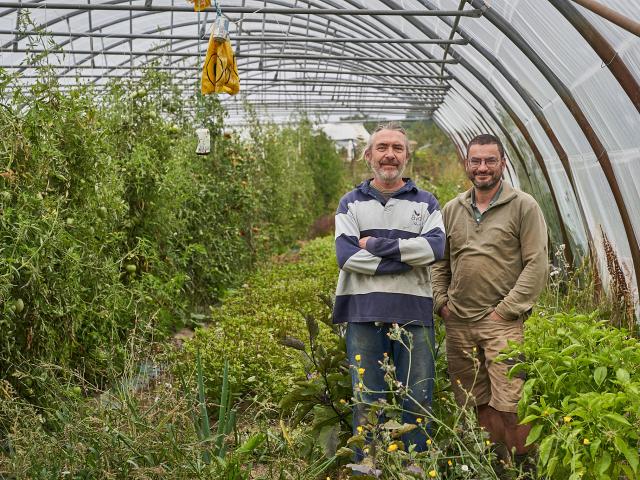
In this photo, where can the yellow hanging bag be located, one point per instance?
(199, 5)
(220, 70)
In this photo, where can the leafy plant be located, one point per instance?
(582, 395)
(321, 396)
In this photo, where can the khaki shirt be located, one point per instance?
(500, 262)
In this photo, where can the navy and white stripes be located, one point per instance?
(389, 281)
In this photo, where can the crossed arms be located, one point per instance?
(361, 252)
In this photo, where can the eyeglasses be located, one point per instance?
(490, 162)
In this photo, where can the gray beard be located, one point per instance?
(384, 178)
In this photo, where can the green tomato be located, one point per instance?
(70, 221)
(18, 306)
(102, 212)
(131, 268)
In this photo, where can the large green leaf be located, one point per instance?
(599, 375)
(328, 439)
(631, 454)
(534, 434)
(324, 415)
(623, 375)
(617, 418)
(545, 450)
(603, 463)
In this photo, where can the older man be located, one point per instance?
(494, 268)
(388, 232)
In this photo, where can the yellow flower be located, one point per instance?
(567, 419)
(433, 473)
(358, 357)
(475, 349)
(392, 448)
(450, 463)
(361, 371)
(359, 429)
(419, 420)
(586, 441)
(545, 413)
(488, 442)
(458, 381)
(429, 441)
(361, 385)
(343, 401)
(366, 450)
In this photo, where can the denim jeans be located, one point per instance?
(415, 369)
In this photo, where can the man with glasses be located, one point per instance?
(494, 268)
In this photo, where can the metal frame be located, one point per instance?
(328, 56)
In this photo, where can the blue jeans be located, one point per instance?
(415, 369)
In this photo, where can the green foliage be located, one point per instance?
(140, 429)
(110, 224)
(321, 396)
(247, 327)
(582, 396)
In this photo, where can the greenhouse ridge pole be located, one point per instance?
(247, 10)
(288, 56)
(614, 17)
(238, 38)
(596, 145)
(364, 73)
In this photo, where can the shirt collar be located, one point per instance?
(493, 200)
(409, 185)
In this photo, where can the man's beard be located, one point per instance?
(485, 184)
(387, 176)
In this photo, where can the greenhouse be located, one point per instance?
(169, 175)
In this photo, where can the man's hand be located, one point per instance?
(445, 313)
(363, 242)
(495, 317)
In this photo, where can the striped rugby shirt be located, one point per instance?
(390, 280)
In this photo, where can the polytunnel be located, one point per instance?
(556, 80)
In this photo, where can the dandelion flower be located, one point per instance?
(545, 413)
(450, 463)
(429, 442)
(567, 419)
(586, 441)
(433, 473)
(419, 420)
(488, 442)
(392, 448)
(359, 429)
(366, 450)
(361, 371)
(343, 401)
(358, 357)
(361, 385)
